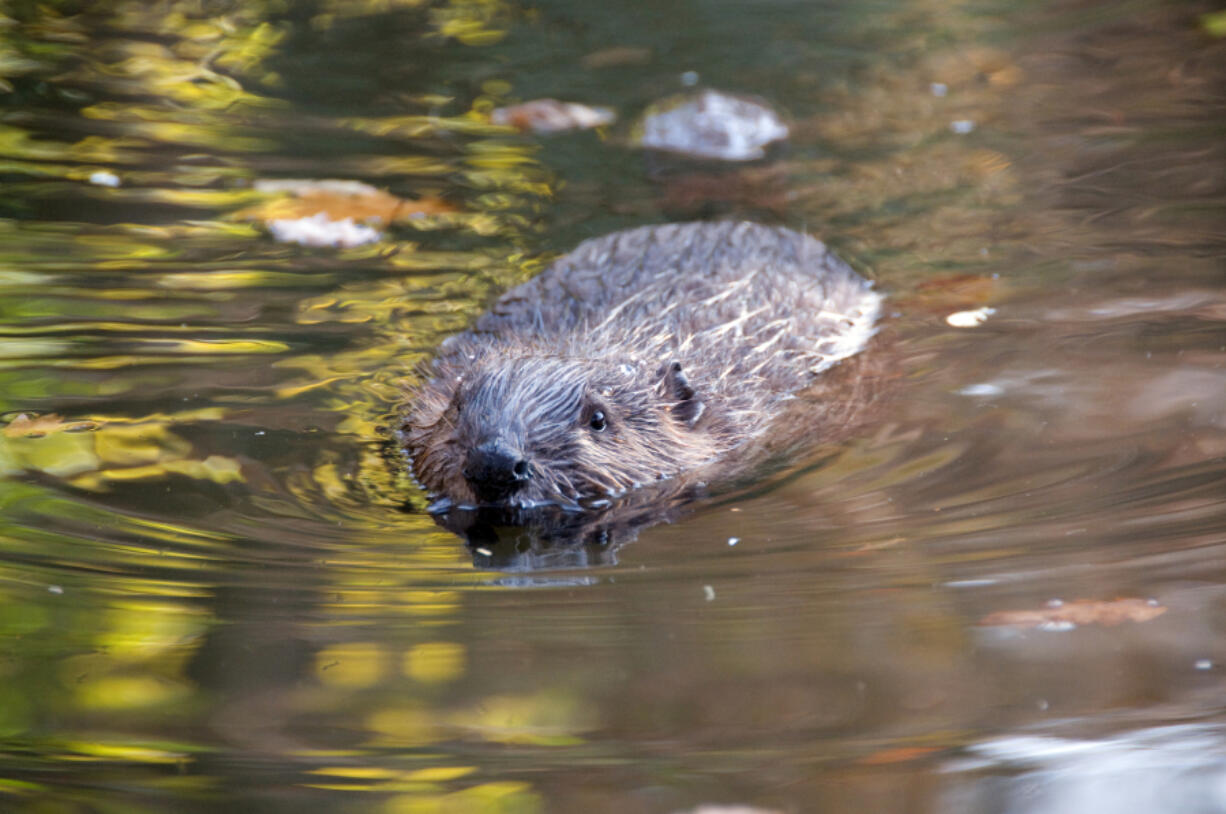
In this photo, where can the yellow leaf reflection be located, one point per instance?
(352, 665)
(26, 426)
(138, 444)
(486, 798)
(548, 718)
(104, 450)
(440, 774)
(435, 662)
(129, 692)
(402, 726)
(356, 772)
(144, 629)
(126, 753)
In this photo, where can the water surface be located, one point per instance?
(218, 588)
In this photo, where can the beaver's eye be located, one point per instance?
(597, 422)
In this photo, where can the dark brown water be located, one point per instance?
(216, 593)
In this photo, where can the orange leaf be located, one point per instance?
(902, 754)
(1079, 612)
(552, 116)
(339, 200)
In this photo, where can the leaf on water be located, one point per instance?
(38, 426)
(334, 212)
(552, 116)
(902, 754)
(1079, 612)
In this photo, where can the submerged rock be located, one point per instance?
(710, 125)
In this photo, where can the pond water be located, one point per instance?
(218, 591)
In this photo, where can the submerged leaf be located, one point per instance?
(1079, 612)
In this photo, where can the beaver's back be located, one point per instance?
(687, 276)
(751, 311)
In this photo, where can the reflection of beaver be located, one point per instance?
(640, 357)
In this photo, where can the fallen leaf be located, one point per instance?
(1079, 612)
(902, 754)
(552, 116)
(304, 207)
(319, 230)
(28, 426)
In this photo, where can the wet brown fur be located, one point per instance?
(691, 339)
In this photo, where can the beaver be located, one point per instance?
(647, 355)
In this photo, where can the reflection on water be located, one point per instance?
(218, 588)
(1175, 768)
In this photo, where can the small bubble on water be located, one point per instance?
(962, 126)
(970, 583)
(104, 178)
(969, 319)
(708, 592)
(55, 589)
(1055, 603)
(1042, 704)
(689, 78)
(484, 552)
(733, 540)
(939, 88)
(1204, 664)
(983, 389)
(1057, 627)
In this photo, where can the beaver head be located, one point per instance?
(544, 430)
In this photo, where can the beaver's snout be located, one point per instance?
(495, 471)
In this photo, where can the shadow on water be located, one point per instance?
(997, 593)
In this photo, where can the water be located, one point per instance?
(219, 592)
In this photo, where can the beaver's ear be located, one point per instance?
(689, 408)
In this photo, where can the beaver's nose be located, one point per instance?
(495, 471)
